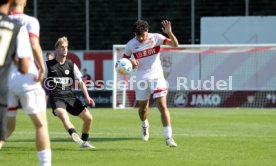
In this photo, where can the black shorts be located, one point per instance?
(72, 105)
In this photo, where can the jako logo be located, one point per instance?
(180, 100)
(205, 99)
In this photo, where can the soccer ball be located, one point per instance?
(123, 66)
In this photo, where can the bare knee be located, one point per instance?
(162, 105)
(143, 109)
(88, 118)
(62, 114)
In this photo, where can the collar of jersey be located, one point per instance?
(15, 12)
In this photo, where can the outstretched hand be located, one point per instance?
(167, 28)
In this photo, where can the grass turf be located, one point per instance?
(205, 137)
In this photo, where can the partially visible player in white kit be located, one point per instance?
(27, 87)
(145, 47)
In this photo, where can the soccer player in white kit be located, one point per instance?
(145, 48)
(27, 87)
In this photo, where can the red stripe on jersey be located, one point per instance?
(160, 90)
(125, 56)
(147, 52)
(33, 35)
(15, 12)
(166, 40)
(12, 108)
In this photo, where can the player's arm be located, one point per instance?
(38, 55)
(82, 86)
(167, 28)
(127, 54)
(85, 93)
(23, 51)
(34, 29)
(23, 65)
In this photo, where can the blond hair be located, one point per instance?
(61, 40)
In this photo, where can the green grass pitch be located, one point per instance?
(205, 137)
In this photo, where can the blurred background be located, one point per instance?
(98, 24)
(94, 26)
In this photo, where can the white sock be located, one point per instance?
(145, 123)
(168, 131)
(45, 157)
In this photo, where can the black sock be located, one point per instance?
(71, 130)
(84, 137)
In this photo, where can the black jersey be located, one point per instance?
(8, 39)
(60, 78)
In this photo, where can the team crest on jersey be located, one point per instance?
(151, 43)
(66, 72)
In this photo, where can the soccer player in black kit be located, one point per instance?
(61, 75)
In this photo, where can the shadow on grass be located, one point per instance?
(68, 139)
(94, 139)
(113, 139)
(19, 149)
(21, 140)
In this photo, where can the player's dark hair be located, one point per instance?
(140, 26)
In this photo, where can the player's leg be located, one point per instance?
(143, 114)
(87, 118)
(3, 111)
(142, 93)
(42, 138)
(165, 115)
(36, 109)
(59, 109)
(166, 120)
(11, 123)
(12, 113)
(76, 107)
(62, 114)
(160, 94)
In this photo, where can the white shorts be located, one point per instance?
(32, 102)
(157, 87)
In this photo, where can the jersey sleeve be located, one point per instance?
(23, 49)
(160, 39)
(128, 52)
(77, 73)
(33, 28)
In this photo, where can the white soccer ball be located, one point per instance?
(123, 66)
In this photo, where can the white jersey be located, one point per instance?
(148, 54)
(24, 82)
(30, 22)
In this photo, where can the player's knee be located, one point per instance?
(40, 124)
(162, 107)
(143, 109)
(88, 118)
